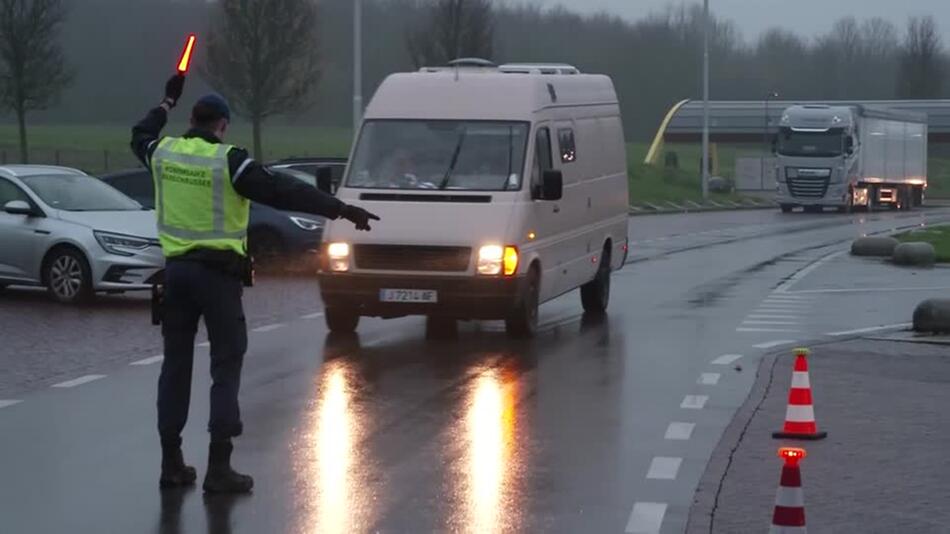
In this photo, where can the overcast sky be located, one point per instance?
(807, 17)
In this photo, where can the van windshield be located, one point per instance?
(439, 154)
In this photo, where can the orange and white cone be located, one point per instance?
(789, 514)
(800, 416)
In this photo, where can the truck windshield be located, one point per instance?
(814, 144)
(439, 154)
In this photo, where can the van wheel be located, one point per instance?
(522, 322)
(67, 276)
(441, 327)
(595, 295)
(342, 320)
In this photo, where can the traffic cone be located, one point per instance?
(789, 514)
(800, 415)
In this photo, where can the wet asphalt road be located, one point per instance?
(593, 427)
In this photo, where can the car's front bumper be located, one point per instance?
(484, 298)
(111, 272)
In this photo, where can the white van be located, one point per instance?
(499, 188)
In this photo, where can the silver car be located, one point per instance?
(72, 233)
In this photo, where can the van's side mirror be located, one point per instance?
(325, 180)
(552, 185)
(849, 144)
(18, 207)
(774, 145)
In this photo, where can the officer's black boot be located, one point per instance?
(220, 478)
(175, 473)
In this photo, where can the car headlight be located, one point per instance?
(123, 245)
(309, 225)
(339, 256)
(495, 259)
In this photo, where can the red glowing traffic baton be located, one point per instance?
(185, 63)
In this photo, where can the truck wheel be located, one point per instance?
(342, 320)
(522, 322)
(907, 203)
(787, 208)
(918, 195)
(595, 295)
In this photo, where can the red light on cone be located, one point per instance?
(185, 62)
(791, 454)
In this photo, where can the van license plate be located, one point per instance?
(425, 296)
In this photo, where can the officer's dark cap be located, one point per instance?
(210, 108)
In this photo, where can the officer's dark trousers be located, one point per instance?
(194, 290)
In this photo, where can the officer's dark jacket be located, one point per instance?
(250, 179)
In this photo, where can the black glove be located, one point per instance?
(358, 216)
(173, 89)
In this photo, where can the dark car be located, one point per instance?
(273, 234)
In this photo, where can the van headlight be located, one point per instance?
(123, 245)
(495, 259)
(339, 257)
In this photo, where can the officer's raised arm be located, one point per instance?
(146, 132)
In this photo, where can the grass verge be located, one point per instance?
(938, 236)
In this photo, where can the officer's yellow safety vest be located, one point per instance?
(195, 202)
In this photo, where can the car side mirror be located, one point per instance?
(552, 185)
(325, 180)
(18, 207)
(849, 144)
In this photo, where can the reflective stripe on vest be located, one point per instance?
(171, 151)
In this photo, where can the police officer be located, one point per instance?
(203, 188)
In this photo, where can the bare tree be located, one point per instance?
(921, 63)
(33, 71)
(453, 29)
(263, 56)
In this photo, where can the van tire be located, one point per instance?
(595, 295)
(342, 320)
(522, 322)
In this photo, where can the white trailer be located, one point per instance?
(850, 156)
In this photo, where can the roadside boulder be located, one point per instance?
(718, 184)
(918, 254)
(932, 315)
(874, 246)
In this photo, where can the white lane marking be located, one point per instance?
(778, 323)
(664, 468)
(788, 296)
(78, 381)
(726, 359)
(9, 402)
(268, 328)
(148, 361)
(312, 315)
(646, 518)
(694, 402)
(709, 379)
(797, 277)
(204, 344)
(773, 344)
(869, 329)
(770, 316)
(743, 329)
(872, 290)
(786, 304)
(679, 431)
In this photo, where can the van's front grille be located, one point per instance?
(412, 258)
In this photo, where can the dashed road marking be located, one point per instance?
(149, 361)
(646, 518)
(742, 329)
(312, 315)
(726, 359)
(869, 329)
(78, 381)
(774, 323)
(9, 402)
(789, 297)
(773, 344)
(694, 402)
(679, 431)
(873, 290)
(709, 379)
(204, 344)
(770, 316)
(268, 328)
(664, 468)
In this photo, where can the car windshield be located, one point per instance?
(456, 155)
(79, 192)
(816, 144)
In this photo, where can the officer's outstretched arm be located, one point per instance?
(146, 132)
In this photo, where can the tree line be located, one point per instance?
(105, 61)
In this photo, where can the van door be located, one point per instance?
(546, 220)
(575, 207)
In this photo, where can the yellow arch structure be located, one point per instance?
(654, 153)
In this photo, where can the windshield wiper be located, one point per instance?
(453, 163)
